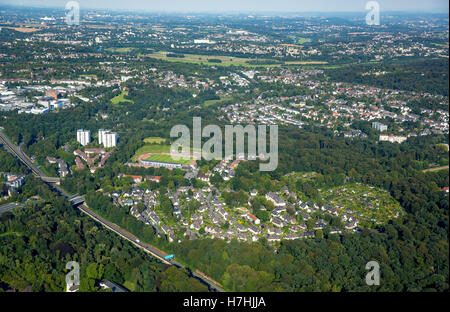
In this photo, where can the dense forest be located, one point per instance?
(421, 76)
(37, 241)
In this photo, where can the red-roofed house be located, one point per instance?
(253, 218)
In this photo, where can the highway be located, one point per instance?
(19, 154)
(8, 207)
(155, 252)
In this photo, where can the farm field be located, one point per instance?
(305, 63)
(120, 50)
(205, 59)
(23, 29)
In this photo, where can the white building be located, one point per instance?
(392, 138)
(379, 126)
(204, 41)
(107, 138)
(83, 137)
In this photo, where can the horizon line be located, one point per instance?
(142, 10)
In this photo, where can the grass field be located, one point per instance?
(204, 59)
(88, 76)
(439, 44)
(120, 98)
(292, 45)
(326, 66)
(160, 153)
(306, 63)
(213, 102)
(302, 40)
(23, 29)
(129, 285)
(120, 50)
(153, 140)
(168, 158)
(151, 148)
(226, 60)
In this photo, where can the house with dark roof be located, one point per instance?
(253, 229)
(277, 222)
(273, 238)
(105, 284)
(275, 199)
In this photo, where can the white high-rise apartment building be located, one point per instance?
(111, 139)
(379, 126)
(83, 137)
(107, 138)
(101, 135)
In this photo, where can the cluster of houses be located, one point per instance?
(342, 106)
(213, 218)
(170, 79)
(94, 157)
(11, 181)
(63, 169)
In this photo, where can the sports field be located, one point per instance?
(168, 158)
(151, 148)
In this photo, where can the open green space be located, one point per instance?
(153, 140)
(151, 148)
(168, 158)
(121, 50)
(211, 60)
(121, 98)
(302, 40)
(214, 102)
(88, 76)
(371, 204)
(157, 149)
(306, 63)
(129, 285)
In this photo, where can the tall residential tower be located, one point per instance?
(83, 137)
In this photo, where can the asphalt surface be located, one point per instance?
(8, 207)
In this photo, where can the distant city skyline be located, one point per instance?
(234, 6)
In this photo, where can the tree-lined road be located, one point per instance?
(19, 154)
(8, 207)
(75, 201)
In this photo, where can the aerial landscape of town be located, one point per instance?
(95, 195)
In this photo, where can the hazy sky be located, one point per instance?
(440, 6)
